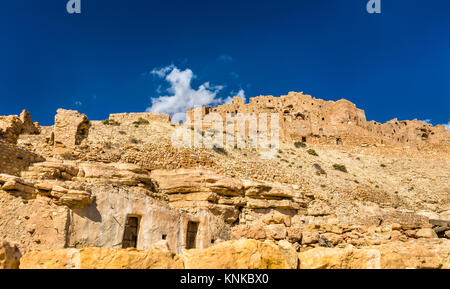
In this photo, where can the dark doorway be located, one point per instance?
(191, 235)
(130, 234)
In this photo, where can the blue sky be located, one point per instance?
(396, 64)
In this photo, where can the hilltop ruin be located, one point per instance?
(305, 118)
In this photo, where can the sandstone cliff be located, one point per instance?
(248, 254)
(341, 192)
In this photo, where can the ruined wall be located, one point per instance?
(305, 118)
(28, 127)
(13, 159)
(132, 117)
(203, 111)
(71, 128)
(11, 126)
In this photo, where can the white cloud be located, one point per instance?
(181, 94)
(228, 100)
(162, 71)
(447, 126)
(78, 103)
(240, 94)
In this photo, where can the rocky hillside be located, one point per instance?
(342, 192)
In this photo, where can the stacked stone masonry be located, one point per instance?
(14, 159)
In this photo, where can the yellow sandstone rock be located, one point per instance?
(240, 254)
(100, 258)
(9, 256)
(417, 254)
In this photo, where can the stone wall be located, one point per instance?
(13, 159)
(11, 126)
(132, 117)
(305, 118)
(71, 128)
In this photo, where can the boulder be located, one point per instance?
(100, 258)
(289, 252)
(332, 258)
(277, 218)
(310, 237)
(9, 256)
(275, 231)
(248, 232)
(28, 126)
(17, 184)
(76, 199)
(332, 238)
(417, 254)
(239, 254)
(426, 233)
(294, 234)
(196, 180)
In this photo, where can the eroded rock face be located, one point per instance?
(71, 127)
(34, 224)
(245, 254)
(28, 126)
(289, 252)
(100, 258)
(192, 181)
(9, 256)
(28, 189)
(417, 254)
(223, 195)
(12, 126)
(240, 254)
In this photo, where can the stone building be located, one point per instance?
(307, 119)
